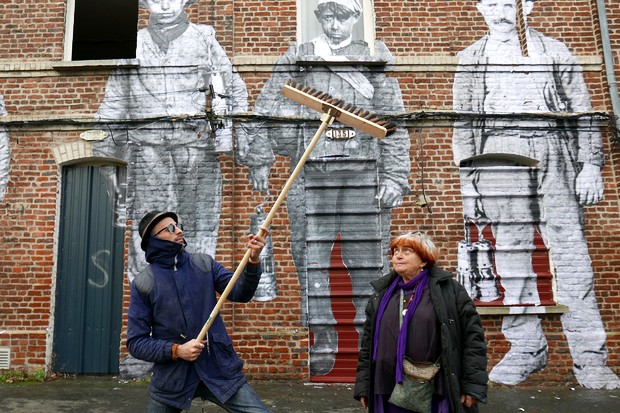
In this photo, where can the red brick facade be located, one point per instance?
(50, 104)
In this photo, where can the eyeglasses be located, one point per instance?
(172, 228)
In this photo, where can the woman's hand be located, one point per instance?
(467, 400)
(364, 402)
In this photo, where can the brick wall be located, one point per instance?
(50, 105)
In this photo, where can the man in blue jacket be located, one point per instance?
(170, 302)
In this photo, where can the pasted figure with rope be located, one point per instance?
(532, 172)
(167, 119)
(351, 181)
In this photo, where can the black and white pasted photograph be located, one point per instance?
(340, 205)
(524, 177)
(328, 25)
(171, 147)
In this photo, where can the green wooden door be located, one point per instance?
(89, 283)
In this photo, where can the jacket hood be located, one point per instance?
(165, 253)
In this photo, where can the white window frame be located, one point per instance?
(69, 23)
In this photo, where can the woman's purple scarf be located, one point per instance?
(419, 283)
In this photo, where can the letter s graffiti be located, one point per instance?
(99, 261)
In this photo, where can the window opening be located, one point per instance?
(101, 29)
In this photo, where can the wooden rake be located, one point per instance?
(331, 109)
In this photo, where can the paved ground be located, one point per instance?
(87, 394)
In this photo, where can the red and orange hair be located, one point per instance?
(420, 243)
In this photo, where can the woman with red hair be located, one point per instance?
(420, 316)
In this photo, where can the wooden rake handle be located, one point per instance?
(326, 119)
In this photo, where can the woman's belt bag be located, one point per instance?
(416, 391)
(420, 371)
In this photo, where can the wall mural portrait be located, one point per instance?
(324, 25)
(171, 148)
(526, 175)
(341, 203)
(5, 153)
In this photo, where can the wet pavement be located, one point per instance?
(99, 394)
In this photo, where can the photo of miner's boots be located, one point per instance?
(267, 288)
(528, 350)
(321, 320)
(323, 349)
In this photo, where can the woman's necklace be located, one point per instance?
(404, 305)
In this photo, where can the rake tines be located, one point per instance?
(344, 112)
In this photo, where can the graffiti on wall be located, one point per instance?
(529, 175)
(351, 181)
(172, 145)
(101, 260)
(5, 153)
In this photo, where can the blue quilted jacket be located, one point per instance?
(170, 302)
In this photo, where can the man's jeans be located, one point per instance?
(244, 401)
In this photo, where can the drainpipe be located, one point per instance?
(609, 61)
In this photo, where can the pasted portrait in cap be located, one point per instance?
(332, 24)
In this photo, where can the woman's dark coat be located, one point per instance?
(463, 357)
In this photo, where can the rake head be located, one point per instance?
(358, 118)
